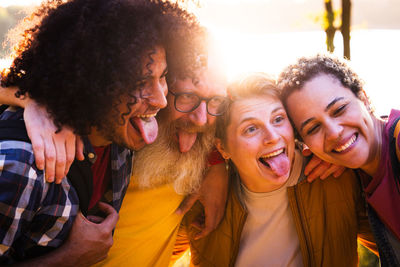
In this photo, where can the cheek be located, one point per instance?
(288, 132)
(316, 145)
(240, 149)
(173, 114)
(211, 119)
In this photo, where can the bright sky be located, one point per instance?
(244, 50)
(18, 2)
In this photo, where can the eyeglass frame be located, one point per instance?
(206, 99)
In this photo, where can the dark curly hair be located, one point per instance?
(79, 57)
(295, 76)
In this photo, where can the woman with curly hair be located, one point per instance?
(333, 116)
(98, 67)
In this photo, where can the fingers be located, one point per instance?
(339, 171)
(111, 215)
(70, 153)
(209, 225)
(312, 164)
(38, 150)
(79, 220)
(187, 203)
(79, 148)
(64, 142)
(54, 151)
(318, 171)
(60, 158)
(328, 172)
(50, 155)
(95, 219)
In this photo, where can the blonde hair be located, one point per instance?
(250, 85)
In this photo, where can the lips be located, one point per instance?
(344, 147)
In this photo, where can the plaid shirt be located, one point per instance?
(36, 216)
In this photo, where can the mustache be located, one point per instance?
(190, 127)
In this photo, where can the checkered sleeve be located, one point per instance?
(32, 212)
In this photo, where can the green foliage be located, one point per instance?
(9, 17)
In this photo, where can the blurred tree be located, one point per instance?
(9, 17)
(345, 28)
(330, 28)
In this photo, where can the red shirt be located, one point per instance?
(101, 170)
(382, 190)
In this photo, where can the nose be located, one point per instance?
(158, 96)
(333, 131)
(270, 136)
(199, 115)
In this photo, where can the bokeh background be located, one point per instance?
(266, 35)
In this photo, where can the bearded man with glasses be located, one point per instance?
(171, 168)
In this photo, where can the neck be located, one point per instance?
(260, 187)
(375, 152)
(96, 139)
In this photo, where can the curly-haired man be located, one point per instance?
(99, 67)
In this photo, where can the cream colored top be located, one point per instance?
(269, 237)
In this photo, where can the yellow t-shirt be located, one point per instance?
(146, 231)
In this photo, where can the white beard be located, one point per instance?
(162, 163)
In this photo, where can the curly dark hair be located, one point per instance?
(295, 76)
(79, 57)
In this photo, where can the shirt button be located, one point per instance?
(91, 155)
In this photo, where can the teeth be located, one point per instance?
(273, 154)
(147, 115)
(349, 143)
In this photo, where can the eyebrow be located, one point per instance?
(151, 75)
(333, 102)
(276, 109)
(253, 118)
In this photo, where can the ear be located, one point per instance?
(221, 149)
(365, 100)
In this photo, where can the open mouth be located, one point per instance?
(277, 162)
(266, 158)
(345, 146)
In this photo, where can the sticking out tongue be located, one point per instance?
(148, 128)
(186, 140)
(279, 164)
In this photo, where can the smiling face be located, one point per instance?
(260, 142)
(207, 84)
(334, 123)
(138, 126)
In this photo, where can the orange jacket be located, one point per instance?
(329, 215)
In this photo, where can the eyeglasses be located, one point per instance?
(187, 102)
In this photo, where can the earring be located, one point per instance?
(227, 164)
